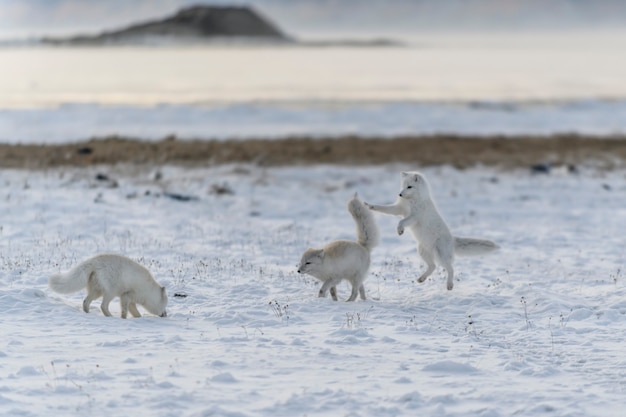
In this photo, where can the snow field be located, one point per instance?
(313, 118)
(535, 329)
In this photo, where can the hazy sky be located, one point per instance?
(23, 18)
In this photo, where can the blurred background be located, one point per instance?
(26, 18)
(365, 68)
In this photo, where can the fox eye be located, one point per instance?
(410, 186)
(308, 263)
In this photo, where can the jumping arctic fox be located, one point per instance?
(436, 245)
(110, 276)
(344, 259)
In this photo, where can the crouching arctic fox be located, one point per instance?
(110, 276)
(344, 259)
(436, 245)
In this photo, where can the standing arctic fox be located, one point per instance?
(344, 259)
(436, 245)
(110, 276)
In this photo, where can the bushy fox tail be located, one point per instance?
(72, 281)
(366, 228)
(469, 246)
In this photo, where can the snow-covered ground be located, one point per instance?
(536, 329)
(229, 121)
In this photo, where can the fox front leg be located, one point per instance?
(406, 222)
(124, 302)
(132, 307)
(331, 283)
(392, 209)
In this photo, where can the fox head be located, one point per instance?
(311, 260)
(414, 186)
(163, 302)
(157, 303)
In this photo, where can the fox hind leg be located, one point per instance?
(362, 292)
(428, 257)
(450, 270)
(87, 301)
(104, 306)
(354, 293)
(93, 292)
(357, 287)
(333, 293)
(445, 254)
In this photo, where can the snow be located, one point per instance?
(535, 329)
(231, 121)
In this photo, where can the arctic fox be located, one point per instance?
(110, 276)
(436, 245)
(344, 259)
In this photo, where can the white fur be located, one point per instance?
(436, 245)
(110, 276)
(344, 259)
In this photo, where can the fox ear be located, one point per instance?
(321, 253)
(163, 291)
(404, 174)
(416, 178)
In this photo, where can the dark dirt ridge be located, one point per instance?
(460, 152)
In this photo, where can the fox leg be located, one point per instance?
(333, 293)
(362, 292)
(354, 293)
(106, 300)
(450, 270)
(87, 301)
(445, 253)
(93, 292)
(358, 289)
(329, 284)
(392, 209)
(427, 256)
(132, 307)
(124, 302)
(127, 305)
(406, 222)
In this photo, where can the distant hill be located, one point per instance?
(193, 24)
